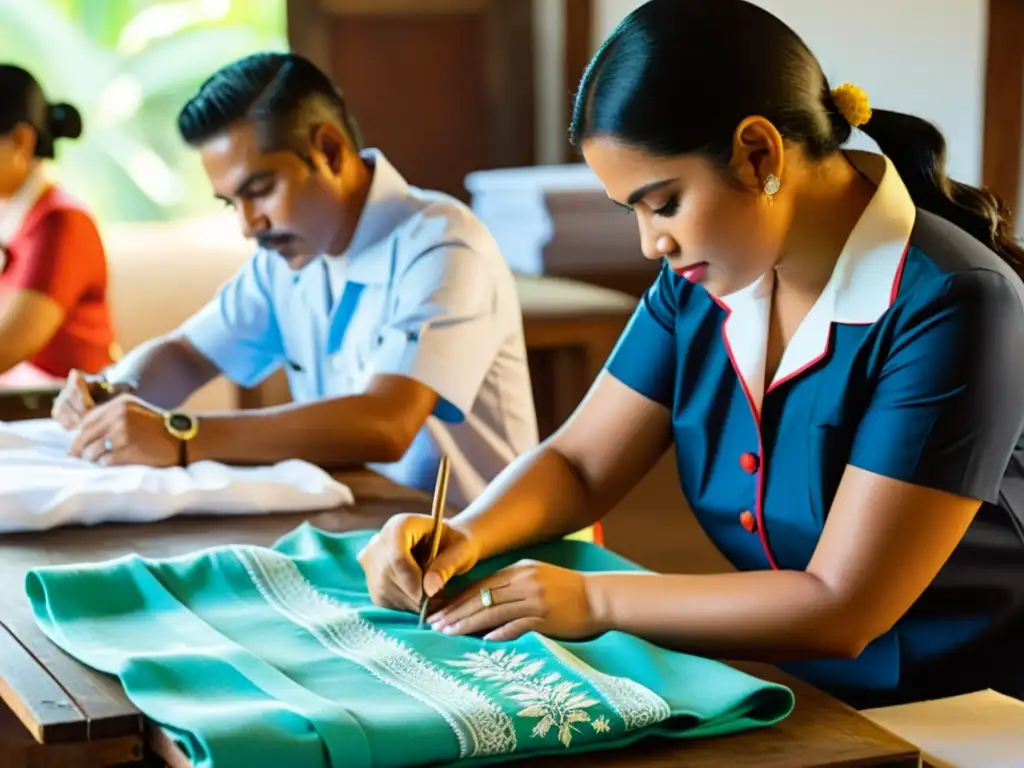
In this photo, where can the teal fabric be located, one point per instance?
(257, 656)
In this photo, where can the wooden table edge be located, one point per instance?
(163, 745)
(892, 752)
(35, 697)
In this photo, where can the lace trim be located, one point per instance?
(479, 725)
(637, 705)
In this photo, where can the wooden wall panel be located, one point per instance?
(1004, 101)
(442, 87)
(416, 86)
(579, 24)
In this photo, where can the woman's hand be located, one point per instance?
(527, 596)
(391, 561)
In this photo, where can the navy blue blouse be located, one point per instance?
(909, 365)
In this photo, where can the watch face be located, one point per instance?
(181, 422)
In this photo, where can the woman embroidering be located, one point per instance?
(833, 346)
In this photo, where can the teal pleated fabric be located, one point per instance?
(254, 656)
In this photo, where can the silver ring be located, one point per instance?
(108, 445)
(486, 598)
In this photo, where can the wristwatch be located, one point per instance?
(183, 428)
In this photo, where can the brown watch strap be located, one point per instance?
(183, 453)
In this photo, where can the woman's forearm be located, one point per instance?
(538, 497)
(574, 477)
(768, 616)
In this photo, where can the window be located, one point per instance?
(128, 66)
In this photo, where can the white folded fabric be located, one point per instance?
(42, 487)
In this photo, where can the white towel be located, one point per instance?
(42, 487)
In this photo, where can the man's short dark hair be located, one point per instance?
(282, 94)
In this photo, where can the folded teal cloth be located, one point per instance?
(254, 656)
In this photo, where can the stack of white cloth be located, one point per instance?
(42, 487)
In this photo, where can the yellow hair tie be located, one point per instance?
(852, 104)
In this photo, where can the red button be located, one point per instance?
(749, 462)
(748, 521)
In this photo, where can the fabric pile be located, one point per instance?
(42, 487)
(253, 656)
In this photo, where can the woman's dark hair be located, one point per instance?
(728, 60)
(22, 101)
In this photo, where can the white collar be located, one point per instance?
(21, 203)
(862, 287)
(367, 259)
(386, 206)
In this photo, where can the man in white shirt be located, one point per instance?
(391, 308)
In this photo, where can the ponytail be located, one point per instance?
(918, 151)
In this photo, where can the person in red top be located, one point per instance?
(53, 271)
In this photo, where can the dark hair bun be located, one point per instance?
(65, 122)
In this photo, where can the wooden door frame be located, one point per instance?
(579, 47)
(508, 61)
(1004, 101)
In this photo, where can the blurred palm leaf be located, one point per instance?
(129, 65)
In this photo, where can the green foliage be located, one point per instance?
(128, 66)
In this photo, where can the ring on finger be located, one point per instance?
(487, 594)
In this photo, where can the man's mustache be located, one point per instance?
(273, 240)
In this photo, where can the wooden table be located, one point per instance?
(77, 717)
(26, 403)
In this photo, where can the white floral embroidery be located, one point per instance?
(479, 725)
(637, 705)
(554, 702)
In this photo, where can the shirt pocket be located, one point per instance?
(350, 369)
(300, 364)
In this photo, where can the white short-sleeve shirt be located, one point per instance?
(423, 292)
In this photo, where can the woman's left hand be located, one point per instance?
(527, 596)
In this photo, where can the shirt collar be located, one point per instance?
(386, 207)
(863, 284)
(21, 203)
(864, 280)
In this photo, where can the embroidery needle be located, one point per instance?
(437, 513)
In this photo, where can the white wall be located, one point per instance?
(925, 57)
(548, 77)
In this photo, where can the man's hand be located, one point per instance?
(80, 394)
(125, 430)
(74, 401)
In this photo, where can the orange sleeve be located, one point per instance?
(60, 256)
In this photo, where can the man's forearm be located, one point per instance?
(771, 616)
(163, 371)
(342, 432)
